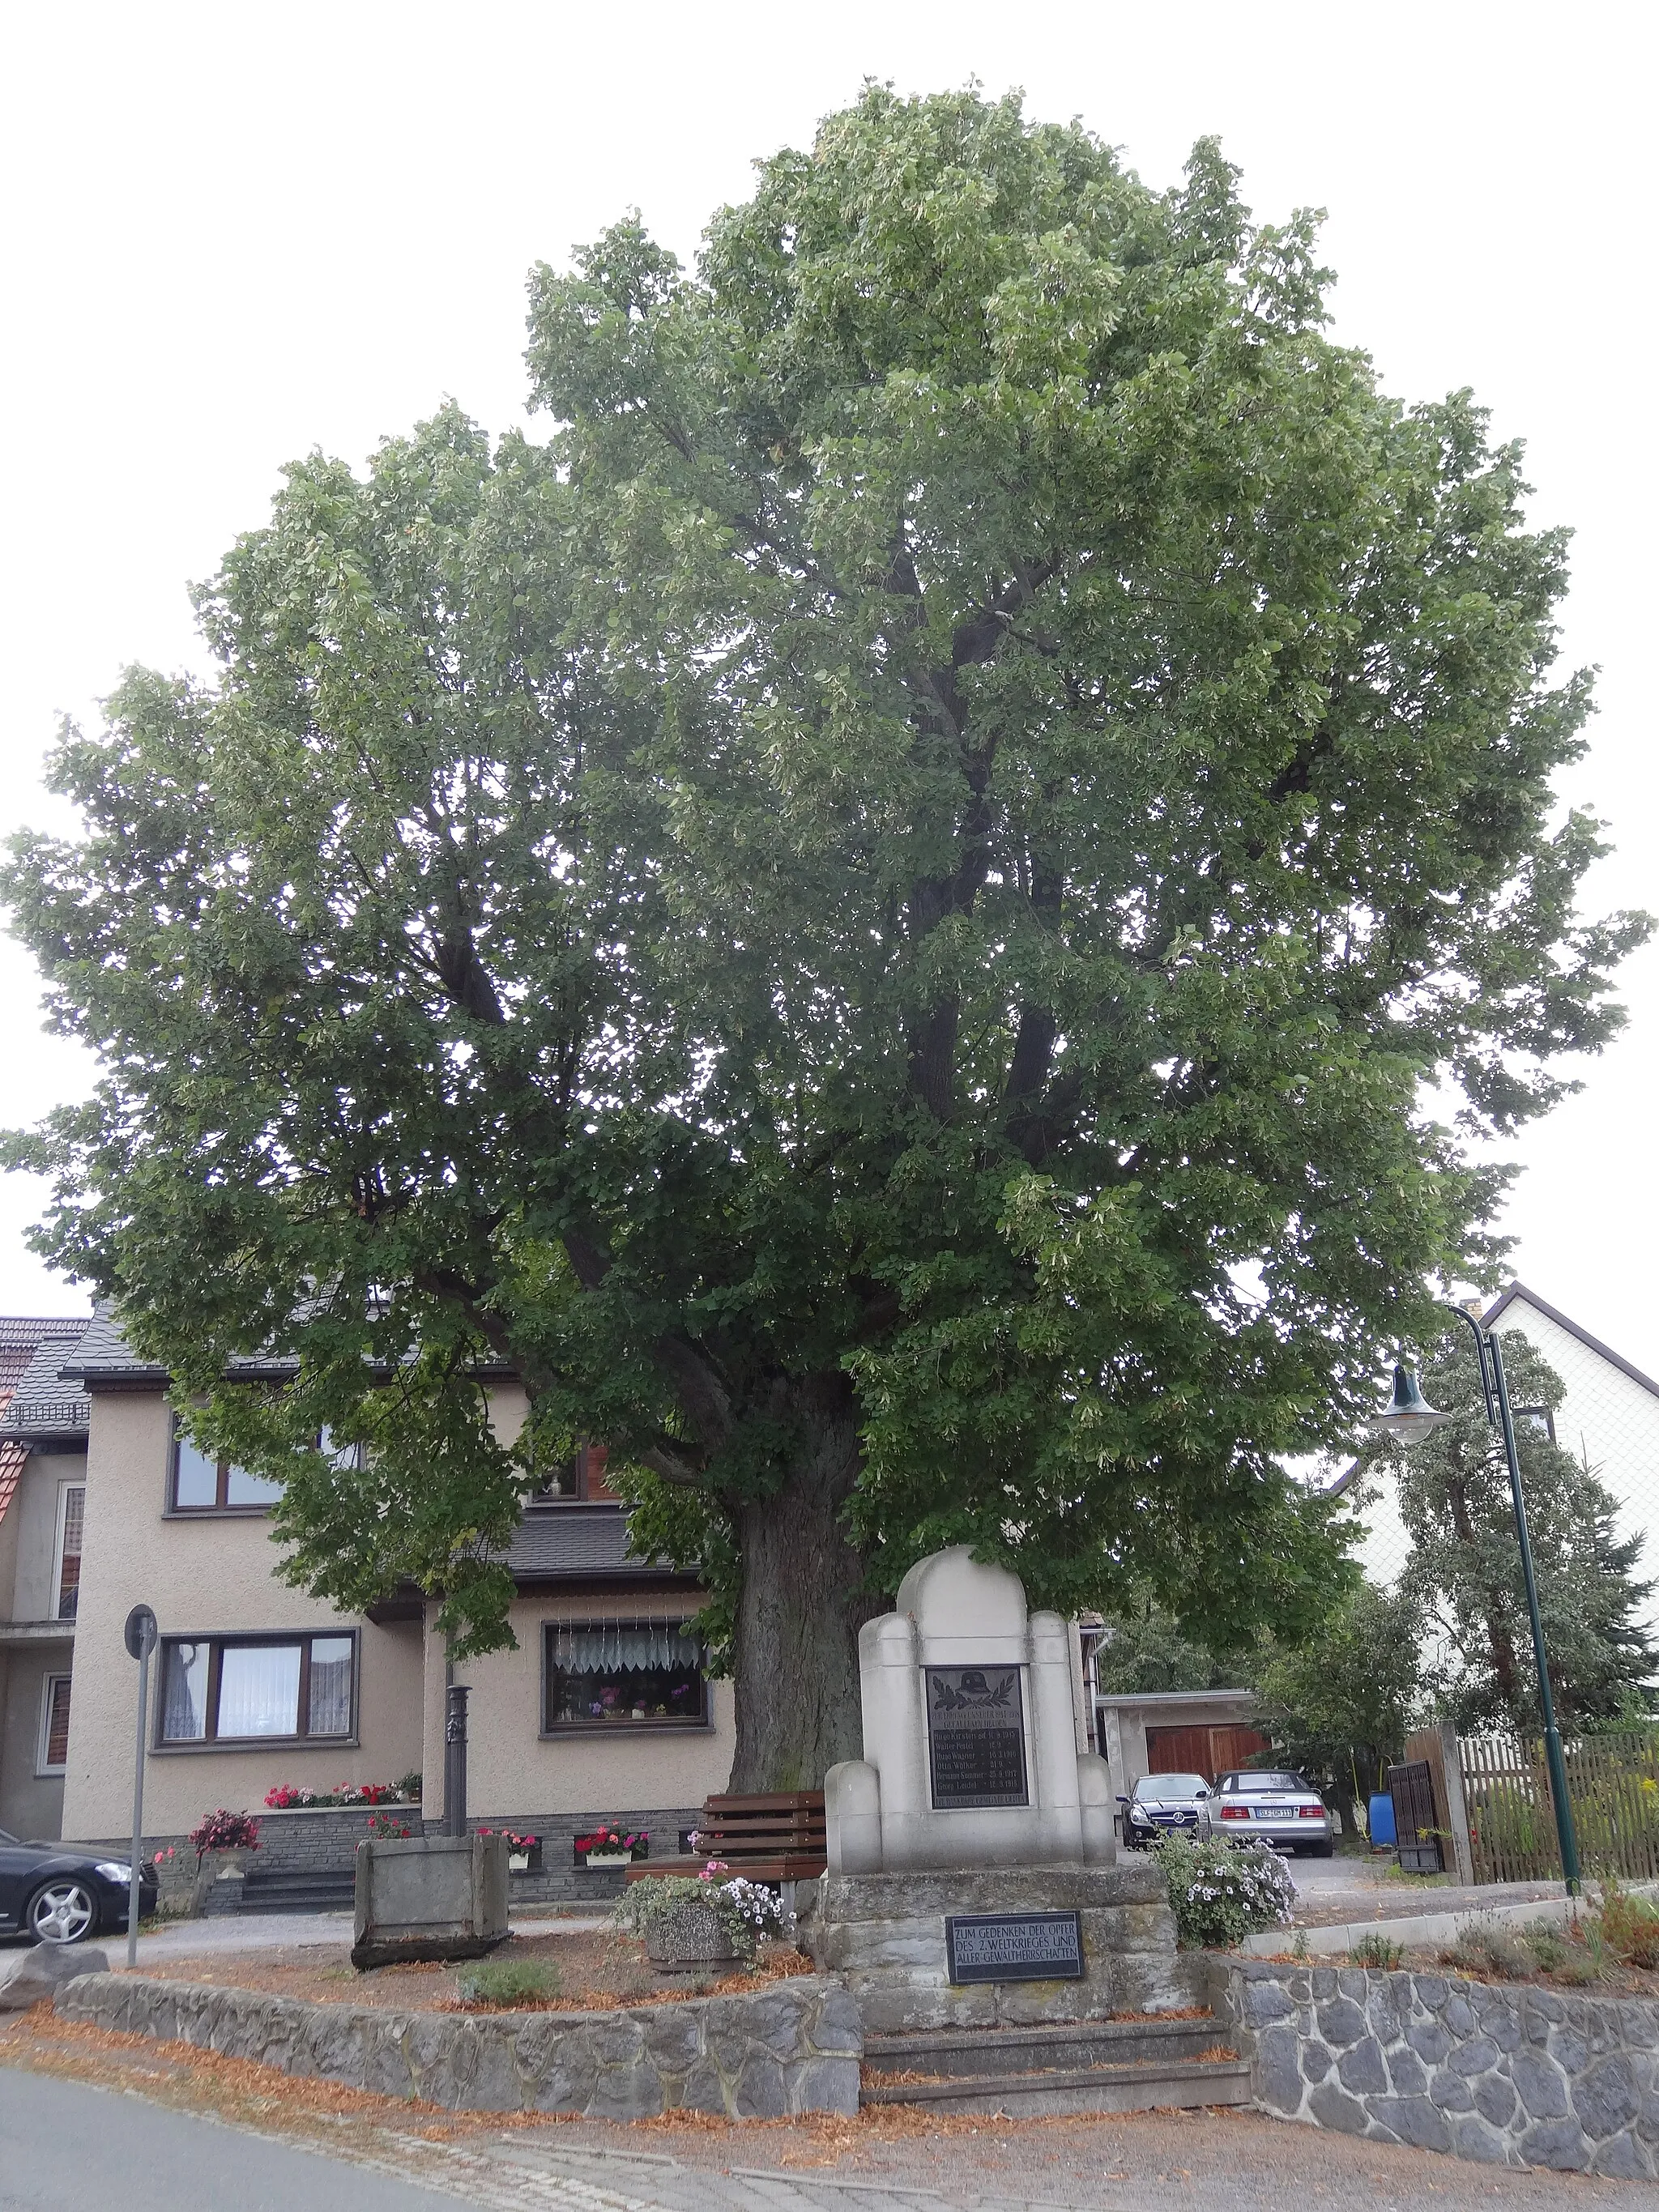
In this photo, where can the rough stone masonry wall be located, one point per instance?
(793, 2047)
(1505, 2072)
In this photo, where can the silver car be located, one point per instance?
(1279, 1806)
(1165, 1804)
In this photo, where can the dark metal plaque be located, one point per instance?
(975, 1737)
(1014, 1947)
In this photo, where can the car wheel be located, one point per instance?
(1321, 1851)
(60, 1911)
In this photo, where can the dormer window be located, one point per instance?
(578, 1480)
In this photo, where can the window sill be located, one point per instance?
(607, 1729)
(50, 1773)
(285, 1744)
(217, 1512)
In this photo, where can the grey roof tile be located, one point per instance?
(574, 1543)
(44, 1404)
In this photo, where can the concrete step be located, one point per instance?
(1155, 2085)
(983, 2051)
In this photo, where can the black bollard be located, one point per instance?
(455, 1761)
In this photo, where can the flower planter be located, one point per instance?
(518, 1861)
(609, 1859)
(688, 1938)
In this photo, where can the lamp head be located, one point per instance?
(1408, 1417)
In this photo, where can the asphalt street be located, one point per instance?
(65, 2147)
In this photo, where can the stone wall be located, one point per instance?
(883, 1934)
(792, 2047)
(1509, 2073)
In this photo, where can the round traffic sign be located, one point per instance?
(140, 1631)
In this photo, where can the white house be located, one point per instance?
(1609, 1416)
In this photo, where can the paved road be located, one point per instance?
(68, 2148)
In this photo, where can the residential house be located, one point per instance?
(43, 1444)
(1608, 1417)
(604, 1709)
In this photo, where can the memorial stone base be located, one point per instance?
(884, 1935)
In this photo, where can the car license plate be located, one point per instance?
(1275, 1812)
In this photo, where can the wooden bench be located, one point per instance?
(776, 1837)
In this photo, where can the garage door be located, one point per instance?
(1205, 1751)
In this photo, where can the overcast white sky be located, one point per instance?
(236, 232)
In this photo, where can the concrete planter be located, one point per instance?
(429, 1897)
(217, 1886)
(609, 1859)
(688, 1939)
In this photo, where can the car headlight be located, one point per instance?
(114, 1870)
(1140, 1817)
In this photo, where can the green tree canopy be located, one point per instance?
(869, 917)
(1464, 1567)
(1340, 1706)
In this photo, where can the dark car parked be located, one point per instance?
(58, 1894)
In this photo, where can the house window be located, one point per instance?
(71, 1518)
(53, 1755)
(200, 1485)
(623, 1674)
(579, 1479)
(247, 1689)
(1537, 1417)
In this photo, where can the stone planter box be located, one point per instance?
(691, 1939)
(429, 1897)
(609, 1859)
(792, 2047)
(216, 1886)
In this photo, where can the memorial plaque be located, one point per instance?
(975, 1737)
(1014, 1947)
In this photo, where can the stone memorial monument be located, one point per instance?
(972, 1869)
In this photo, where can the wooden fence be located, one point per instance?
(1612, 1782)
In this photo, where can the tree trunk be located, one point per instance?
(802, 1602)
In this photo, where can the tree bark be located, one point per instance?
(802, 1603)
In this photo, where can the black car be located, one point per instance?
(1165, 1804)
(58, 1894)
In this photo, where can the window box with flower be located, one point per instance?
(612, 1847)
(523, 1853)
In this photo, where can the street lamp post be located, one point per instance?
(1409, 1417)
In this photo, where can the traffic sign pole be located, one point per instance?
(140, 1633)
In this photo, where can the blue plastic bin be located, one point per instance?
(1381, 1821)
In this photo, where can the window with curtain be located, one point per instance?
(201, 1485)
(223, 1689)
(71, 1518)
(623, 1674)
(54, 1725)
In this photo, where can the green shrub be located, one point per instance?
(1375, 1951)
(1485, 1947)
(1220, 1892)
(1630, 1927)
(508, 1982)
(745, 1910)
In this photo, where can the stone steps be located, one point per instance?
(1094, 2066)
(298, 1890)
(986, 2051)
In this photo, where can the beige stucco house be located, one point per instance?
(605, 1710)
